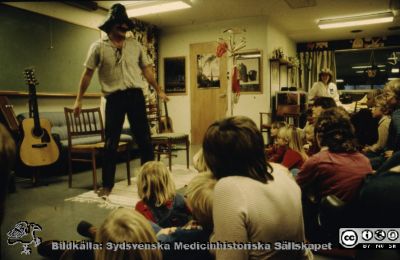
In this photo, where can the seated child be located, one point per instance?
(294, 156)
(384, 161)
(159, 201)
(379, 111)
(121, 225)
(273, 151)
(198, 161)
(199, 194)
(125, 225)
(310, 146)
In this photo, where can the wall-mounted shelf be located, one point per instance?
(283, 74)
(283, 62)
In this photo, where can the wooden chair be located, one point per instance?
(167, 142)
(7, 113)
(89, 124)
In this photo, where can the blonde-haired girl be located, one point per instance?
(310, 144)
(121, 226)
(159, 201)
(273, 151)
(295, 156)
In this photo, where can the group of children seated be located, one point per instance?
(162, 215)
(244, 194)
(338, 154)
(292, 146)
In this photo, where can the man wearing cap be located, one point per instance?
(324, 87)
(122, 64)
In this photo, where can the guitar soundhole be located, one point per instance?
(37, 132)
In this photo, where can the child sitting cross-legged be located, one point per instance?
(159, 201)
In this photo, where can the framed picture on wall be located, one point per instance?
(249, 65)
(207, 71)
(174, 76)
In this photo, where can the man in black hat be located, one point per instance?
(121, 62)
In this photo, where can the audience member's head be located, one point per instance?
(126, 225)
(7, 159)
(334, 130)
(199, 194)
(371, 97)
(321, 103)
(380, 107)
(291, 136)
(155, 184)
(235, 147)
(309, 133)
(198, 161)
(275, 126)
(392, 93)
(325, 75)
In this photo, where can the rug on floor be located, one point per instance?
(124, 195)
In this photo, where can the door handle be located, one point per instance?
(222, 95)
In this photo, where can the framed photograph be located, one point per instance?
(174, 76)
(207, 71)
(250, 71)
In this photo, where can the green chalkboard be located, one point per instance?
(55, 48)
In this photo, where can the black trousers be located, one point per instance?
(129, 102)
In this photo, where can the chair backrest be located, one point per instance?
(7, 112)
(88, 123)
(153, 116)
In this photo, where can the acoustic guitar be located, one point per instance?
(165, 121)
(38, 147)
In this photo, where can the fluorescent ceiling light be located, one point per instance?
(339, 80)
(395, 70)
(393, 78)
(360, 71)
(368, 66)
(160, 7)
(356, 20)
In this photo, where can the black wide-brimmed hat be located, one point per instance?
(116, 15)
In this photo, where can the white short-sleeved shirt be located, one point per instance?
(319, 89)
(118, 71)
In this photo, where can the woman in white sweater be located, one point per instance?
(253, 201)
